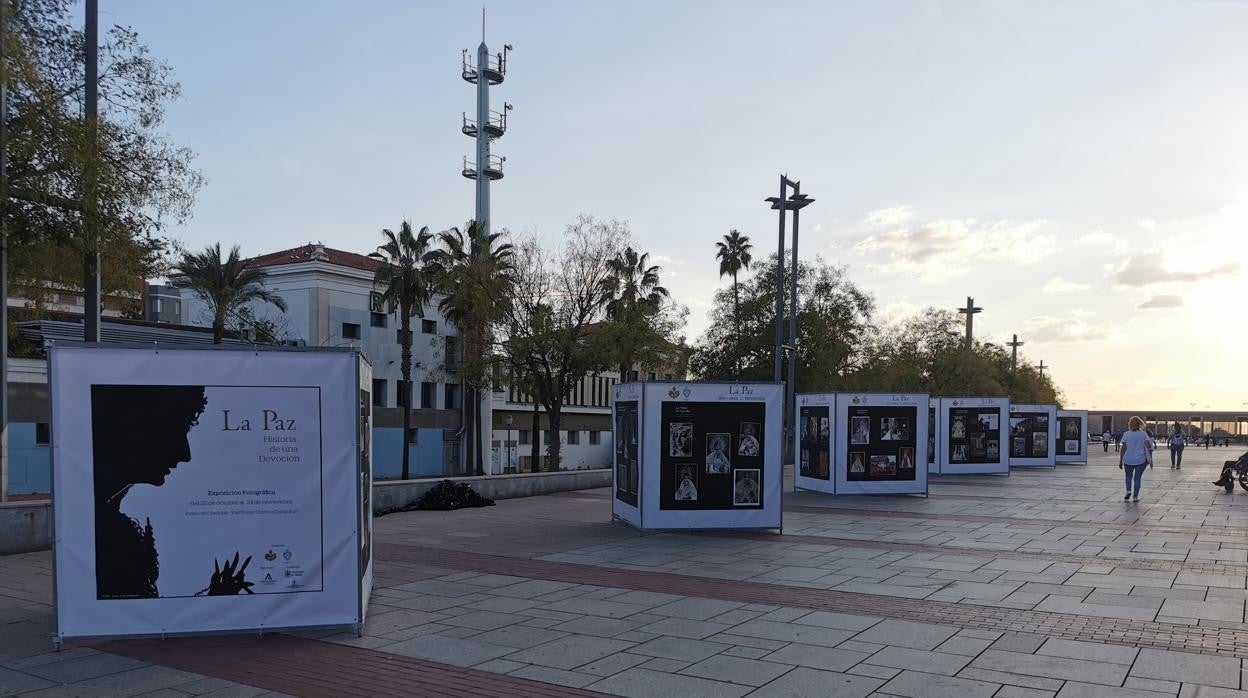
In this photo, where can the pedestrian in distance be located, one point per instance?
(1135, 456)
(1177, 442)
(1105, 438)
(1117, 441)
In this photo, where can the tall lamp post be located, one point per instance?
(795, 203)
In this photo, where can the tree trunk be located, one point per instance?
(218, 324)
(479, 464)
(736, 320)
(405, 368)
(555, 416)
(624, 373)
(536, 465)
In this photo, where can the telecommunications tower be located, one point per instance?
(489, 70)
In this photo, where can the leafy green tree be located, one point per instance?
(226, 285)
(473, 270)
(733, 253)
(834, 320)
(139, 178)
(637, 326)
(405, 281)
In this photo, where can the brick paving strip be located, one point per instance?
(947, 549)
(312, 669)
(1228, 642)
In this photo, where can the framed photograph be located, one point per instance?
(680, 444)
(994, 449)
(959, 453)
(860, 430)
(979, 442)
(621, 477)
(991, 421)
(1018, 449)
(1072, 428)
(634, 474)
(806, 431)
(1020, 425)
(747, 440)
(895, 429)
(883, 466)
(746, 487)
(823, 465)
(805, 464)
(1072, 445)
(718, 446)
(905, 458)
(823, 428)
(1042, 420)
(1040, 444)
(686, 482)
(957, 428)
(857, 462)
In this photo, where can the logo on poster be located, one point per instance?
(270, 556)
(286, 555)
(673, 393)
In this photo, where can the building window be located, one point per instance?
(413, 435)
(43, 435)
(379, 392)
(524, 437)
(452, 397)
(632, 376)
(429, 326)
(350, 330)
(595, 438)
(427, 396)
(377, 319)
(574, 437)
(652, 375)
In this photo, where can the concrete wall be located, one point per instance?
(27, 526)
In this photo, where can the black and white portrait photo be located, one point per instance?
(905, 458)
(686, 482)
(804, 466)
(822, 469)
(857, 462)
(989, 421)
(717, 449)
(823, 428)
(746, 487)
(747, 442)
(1071, 429)
(883, 465)
(994, 449)
(1040, 444)
(681, 443)
(1072, 446)
(860, 430)
(1018, 447)
(959, 453)
(957, 428)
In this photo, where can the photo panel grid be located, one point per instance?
(882, 443)
(974, 435)
(626, 451)
(1029, 434)
(1069, 436)
(814, 423)
(712, 455)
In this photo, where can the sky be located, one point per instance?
(1079, 167)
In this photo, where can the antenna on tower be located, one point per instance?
(483, 25)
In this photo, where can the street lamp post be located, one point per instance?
(795, 203)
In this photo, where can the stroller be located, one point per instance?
(1234, 471)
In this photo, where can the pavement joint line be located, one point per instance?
(945, 549)
(313, 668)
(1132, 633)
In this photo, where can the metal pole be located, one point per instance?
(91, 260)
(4, 258)
(483, 138)
(791, 388)
(780, 286)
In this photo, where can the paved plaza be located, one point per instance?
(1043, 583)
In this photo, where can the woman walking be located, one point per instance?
(1133, 457)
(1177, 442)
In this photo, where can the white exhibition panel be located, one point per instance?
(168, 463)
(709, 431)
(869, 432)
(934, 421)
(1072, 436)
(1032, 436)
(964, 422)
(814, 442)
(626, 438)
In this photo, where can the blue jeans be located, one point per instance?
(1135, 473)
(1176, 455)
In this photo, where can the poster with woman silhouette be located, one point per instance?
(189, 480)
(205, 490)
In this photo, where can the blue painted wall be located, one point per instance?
(30, 464)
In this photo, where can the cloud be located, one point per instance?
(1147, 268)
(1060, 285)
(1096, 237)
(1063, 330)
(1147, 223)
(888, 216)
(945, 248)
(669, 261)
(1162, 302)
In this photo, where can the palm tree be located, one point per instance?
(404, 278)
(474, 274)
(227, 286)
(633, 287)
(733, 253)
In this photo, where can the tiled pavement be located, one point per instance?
(1040, 584)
